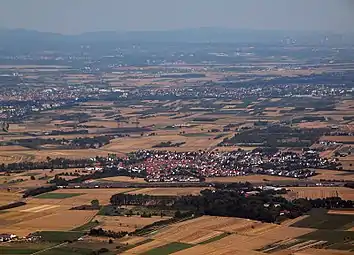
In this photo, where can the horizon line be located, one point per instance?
(182, 29)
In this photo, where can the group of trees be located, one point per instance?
(11, 205)
(60, 163)
(276, 136)
(234, 201)
(178, 216)
(140, 199)
(109, 172)
(225, 202)
(107, 233)
(349, 185)
(168, 144)
(39, 190)
(77, 143)
(330, 203)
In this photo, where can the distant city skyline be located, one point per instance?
(79, 16)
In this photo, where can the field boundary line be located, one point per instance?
(49, 248)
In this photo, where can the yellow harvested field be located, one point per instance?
(246, 244)
(21, 232)
(129, 144)
(338, 138)
(13, 148)
(320, 192)
(245, 236)
(55, 214)
(168, 191)
(206, 227)
(38, 174)
(146, 247)
(8, 157)
(63, 220)
(215, 223)
(40, 208)
(14, 216)
(123, 223)
(234, 249)
(284, 233)
(347, 163)
(186, 234)
(132, 239)
(103, 195)
(332, 175)
(344, 212)
(314, 124)
(7, 197)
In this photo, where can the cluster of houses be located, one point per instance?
(7, 237)
(168, 166)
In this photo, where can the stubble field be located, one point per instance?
(218, 235)
(320, 192)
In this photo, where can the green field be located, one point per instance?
(320, 219)
(329, 235)
(87, 226)
(216, 238)
(129, 247)
(14, 250)
(168, 249)
(68, 251)
(341, 246)
(59, 236)
(23, 247)
(58, 195)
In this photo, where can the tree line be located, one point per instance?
(234, 201)
(76, 143)
(38, 191)
(60, 163)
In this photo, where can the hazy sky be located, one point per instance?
(77, 16)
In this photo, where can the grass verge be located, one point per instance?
(59, 236)
(87, 226)
(58, 195)
(215, 238)
(168, 249)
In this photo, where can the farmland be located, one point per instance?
(167, 191)
(330, 221)
(53, 217)
(144, 148)
(251, 178)
(321, 192)
(51, 211)
(217, 235)
(58, 195)
(123, 223)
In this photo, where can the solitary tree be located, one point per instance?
(95, 203)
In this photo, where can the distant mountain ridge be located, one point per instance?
(11, 37)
